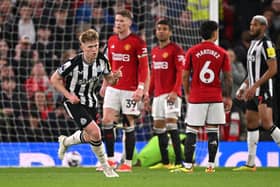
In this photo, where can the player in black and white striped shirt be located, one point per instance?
(257, 89)
(81, 75)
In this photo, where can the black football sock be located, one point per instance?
(176, 145)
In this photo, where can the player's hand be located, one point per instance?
(239, 94)
(138, 94)
(73, 99)
(250, 93)
(146, 100)
(117, 74)
(227, 103)
(172, 97)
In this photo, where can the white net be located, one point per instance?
(36, 36)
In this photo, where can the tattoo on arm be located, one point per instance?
(228, 84)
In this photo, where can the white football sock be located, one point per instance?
(252, 141)
(275, 134)
(100, 154)
(73, 139)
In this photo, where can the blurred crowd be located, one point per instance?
(36, 36)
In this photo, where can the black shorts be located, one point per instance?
(256, 101)
(82, 114)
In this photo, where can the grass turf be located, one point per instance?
(140, 177)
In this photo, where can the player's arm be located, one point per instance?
(241, 90)
(186, 83)
(270, 72)
(108, 78)
(227, 79)
(227, 90)
(146, 98)
(147, 83)
(113, 77)
(187, 74)
(143, 69)
(57, 82)
(179, 62)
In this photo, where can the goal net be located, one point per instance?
(36, 36)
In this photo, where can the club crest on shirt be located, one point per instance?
(127, 47)
(165, 55)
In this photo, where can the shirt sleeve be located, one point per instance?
(179, 63)
(142, 55)
(107, 68)
(269, 50)
(65, 68)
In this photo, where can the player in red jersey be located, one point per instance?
(128, 52)
(204, 62)
(166, 81)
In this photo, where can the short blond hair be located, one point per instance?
(88, 36)
(125, 13)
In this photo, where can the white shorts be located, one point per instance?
(205, 113)
(121, 100)
(161, 109)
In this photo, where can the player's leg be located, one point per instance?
(252, 118)
(215, 117)
(109, 116)
(196, 116)
(213, 144)
(66, 141)
(172, 112)
(130, 110)
(74, 112)
(111, 109)
(159, 128)
(190, 144)
(160, 131)
(172, 129)
(265, 111)
(129, 141)
(92, 135)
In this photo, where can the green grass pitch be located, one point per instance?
(140, 177)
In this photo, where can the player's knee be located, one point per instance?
(95, 136)
(267, 124)
(107, 120)
(93, 133)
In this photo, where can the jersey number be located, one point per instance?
(206, 75)
(130, 103)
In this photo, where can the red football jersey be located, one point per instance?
(167, 68)
(131, 53)
(205, 61)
